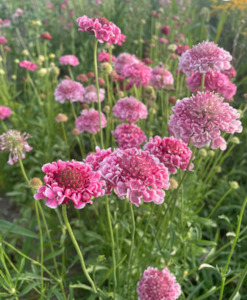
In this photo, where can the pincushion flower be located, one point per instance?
(82, 78)
(26, 64)
(16, 144)
(138, 74)
(94, 159)
(165, 30)
(125, 59)
(173, 153)
(67, 182)
(231, 73)
(5, 112)
(129, 136)
(136, 175)
(70, 60)
(214, 81)
(181, 49)
(201, 118)
(69, 90)
(160, 77)
(104, 30)
(203, 57)
(106, 57)
(130, 109)
(158, 285)
(90, 94)
(89, 121)
(3, 40)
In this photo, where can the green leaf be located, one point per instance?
(17, 229)
(205, 243)
(28, 288)
(54, 254)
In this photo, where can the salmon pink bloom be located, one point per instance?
(69, 90)
(5, 112)
(70, 60)
(203, 57)
(46, 36)
(82, 78)
(129, 136)
(156, 284)
(26, 64)
(89, 121)
(67, 182)
(3, 40)
(90, 94)
(173, 153)
(136, 175)
(94, 159)
(138, 73)
(201, 118)
(106, 57)
(125, 59)
(160, 77)
(130, 109)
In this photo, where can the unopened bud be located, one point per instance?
(202, 153)
(173, 184)
(35, 183)
(75, 132)
(234, 185)
(106, 68)
(60, 118)
(235, 140)
(106, 109)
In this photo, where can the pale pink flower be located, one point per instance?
(124, 59)
(231, 73)
(203, 57)
(173, 153)
(16, 144)
(129, 136)
(90, 95)
(106, 57)
(5, 112)
(130, 109)
(5, 23)
(103, 30)
(89, 121)
(70, 60)
(67, 182)
(69, 90)
(20, 11)
(94, 159)
(26, 64)
(136, 175)
(214, 82)
(163, 41)
(158, 285)
(160, 77)
(201, 118)
(138, 74)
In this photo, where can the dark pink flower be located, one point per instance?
(69, 181)
(105, 57)
(171, 152)
(26, 64)
(69, 60)
(46, 36)
(3, 40)
(181, 49)
(124, 59)
(69, 90)
(165, 30)
(160, 77)
(5, 112)
(158, 285)
(90, 94)
(94, 159)
(231, 73)
(130, 109)
(138, 74)
(201, 118)
(136, 175)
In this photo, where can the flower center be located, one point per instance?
(71, 178)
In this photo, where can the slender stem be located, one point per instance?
(132, 243)
(5, 128)
(73, 110)
(66, 221)
(66, 140)
(241, 279)
(203, 82)
(220, 201)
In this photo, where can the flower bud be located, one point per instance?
(42, 72)
(174, 184)
(106, 109)
(172, 47)
(60, 118)
(75, 132)
(203, 153)
(149, 92)
(234, 185)
(38, 23)
(106, 68)
(2, 72)
(17, 61)
(35, 183)
(52, 55)
(218, 169)
(235, 140)
(13, 77)
(211, 153)
(25, 52)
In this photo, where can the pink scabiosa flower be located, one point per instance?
(163, 41)
(94, 159)
(160, 77)
(69, 90)
(231, 73)
(136, 175)
(158, 285)
(89, 121)
(171, 152)
(5, 112)
(70, 60)
(130, 109)
(203, 57)
(82, 78)
(181, 49)
(46, 36)
(16, 144)
(3, 40)
(147, 61)
(201, 118)
(214, 82)
(106, 57)
(103, 30)
(69, 181)
(138, 73)
(129, 136)
(26, 64)
(90, 95)
(125, 59)
(165, 30)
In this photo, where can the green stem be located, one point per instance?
(132, 244)
(66, 140)
(73, 110)
(5, 128)
(241, 279)
(203, 82)
(218, 204)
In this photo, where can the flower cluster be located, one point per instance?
(90, 94)
(70, 60)
(138, 73)
(5, 112)
(89, 121)
(69, 90)
(160, 77)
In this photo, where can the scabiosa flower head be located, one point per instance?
(106, 57)
(125, 59)
(3, 40)
(163, 41)
(136, 175)
(214, 81)
(90, 75)
(69, 181)
(160, 77)
(46, 36)
(138, 73)
(130, 109)
(82, 78)
(129, 136)
(70, 60)
(165, 30)
(94, 159)
(203, 57)
(5, 112)
(201, 118)
(89, 121)
(103, 30)
(171, 152)
(16, 144)
(90, 95)
(231, 73)
(158, 285)
(26, 64)
(181, 49)
(70, 90)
